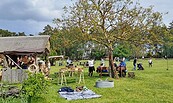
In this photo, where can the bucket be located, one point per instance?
(104, 84)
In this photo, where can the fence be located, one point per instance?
(13, 75)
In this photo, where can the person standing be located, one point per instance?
(48, 65)
(91, 67)
(124, 59)
(102, 62)
(134, 63)
(69, 61)
(150, 62)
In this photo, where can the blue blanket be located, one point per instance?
(79, 95)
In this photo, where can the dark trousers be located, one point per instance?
(91, 69)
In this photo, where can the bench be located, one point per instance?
(121, 71)
(103, 70)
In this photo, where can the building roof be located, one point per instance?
(25, 44)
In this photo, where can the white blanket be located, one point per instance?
(79, 95)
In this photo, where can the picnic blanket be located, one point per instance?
(74, 95)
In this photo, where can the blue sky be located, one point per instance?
(31, 16)
(162, 6)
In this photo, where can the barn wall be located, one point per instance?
(13, 75)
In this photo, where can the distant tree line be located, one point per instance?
(6, 33)
(61, 44)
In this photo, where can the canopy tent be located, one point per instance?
(53, 59)
(56, 57)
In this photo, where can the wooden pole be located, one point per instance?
(13, 61)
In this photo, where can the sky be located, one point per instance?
(31, 16)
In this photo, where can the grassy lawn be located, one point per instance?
(153, 85)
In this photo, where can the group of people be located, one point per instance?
(20, 61)
(139, 65)
(29, 62)
(121, 67)
(25, 61)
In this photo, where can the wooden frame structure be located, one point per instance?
(12, 47)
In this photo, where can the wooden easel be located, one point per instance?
(62, 77)
(81, 76)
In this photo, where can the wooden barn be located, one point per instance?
(11, 48)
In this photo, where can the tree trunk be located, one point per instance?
(111, 64)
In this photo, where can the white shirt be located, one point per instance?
(91, 63)
(150, 61)
(103, 62)
(68, 61)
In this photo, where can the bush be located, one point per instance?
(34, 86)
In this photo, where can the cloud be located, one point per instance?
(39, 10)
(28, 26)
(30, 16)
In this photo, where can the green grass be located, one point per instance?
(153, 85)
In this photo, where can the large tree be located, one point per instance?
(168, 42)
(107, 22)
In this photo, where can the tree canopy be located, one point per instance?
(107, 22)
